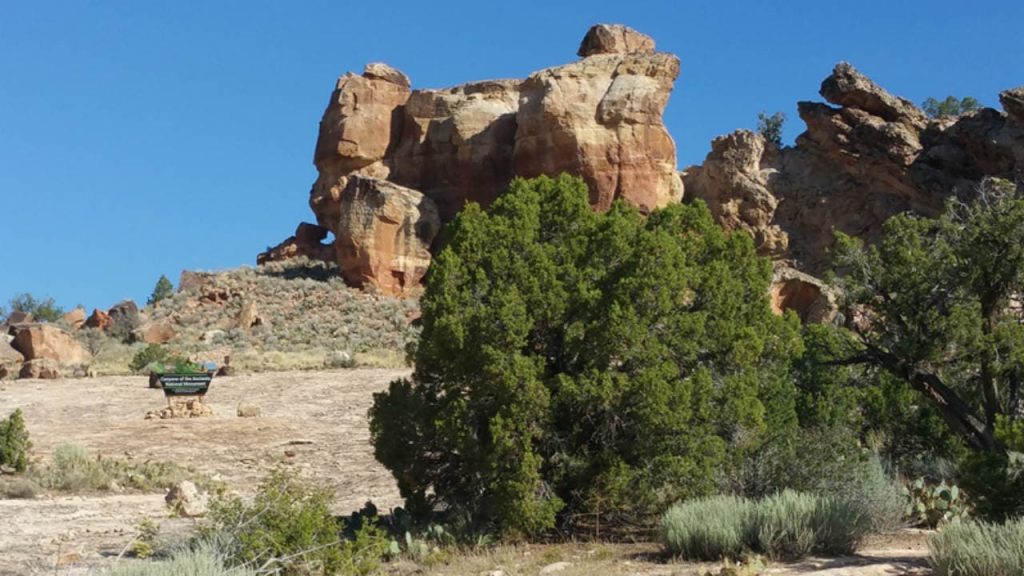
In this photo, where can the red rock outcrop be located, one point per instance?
(37, 341)
(385, 235)
(75, 318)
(868, 157)
(599, 118)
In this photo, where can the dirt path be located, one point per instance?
(317, 417)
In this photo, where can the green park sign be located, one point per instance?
(185, 384)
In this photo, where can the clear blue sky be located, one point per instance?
(141, 138)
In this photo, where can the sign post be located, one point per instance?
(185, 384)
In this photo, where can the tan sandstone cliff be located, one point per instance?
(599, 117)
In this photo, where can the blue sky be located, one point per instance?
(143, 138)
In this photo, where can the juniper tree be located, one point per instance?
(574, 362)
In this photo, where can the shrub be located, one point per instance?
(74, 470)
(933, 505)
(949, 106)
(577, 364)
(978, 549)
(163, 289)
(43, 310)
(199, 561)
(710, 528)
(14, 442)
(151, 354)
(785, 526)
(21, 488)
(288, 527)
(770, 127)
(878, 497)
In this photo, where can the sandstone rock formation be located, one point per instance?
(75, 318)
(868, 157)
(155, 332)
(384, 234)
(99, 320)
(809, 297)
(192, 408)
(599, 118)
(10, 359)
(40, 368)
(36, 341)
(307, 243)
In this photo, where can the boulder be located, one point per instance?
(155, 332)
(99, 320)
(10, 359)
(385, 235)
(75, 319)
(305, 243)
(38, 341)
(19, 317)
(812, 300)
(185, 500)
(248, 411)
(124, 318)
(40, 368)
(615, 39)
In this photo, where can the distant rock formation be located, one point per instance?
(599, 118)
(871, 156)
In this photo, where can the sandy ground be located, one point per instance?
(319, 419)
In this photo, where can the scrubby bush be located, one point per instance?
(14, 442)
(43, 310)
(288, 527)
(950, 106)
(978, 549)
(575, 364)
(709, 528)
(200, 561)
(770, 127)
(73, 469)
(21, 488)
(785, 526)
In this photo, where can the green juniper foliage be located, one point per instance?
(950, 106)
(575, 364)
(937, 295)
(14, 442)
(163, 289)
(770, 126)
(42, 309)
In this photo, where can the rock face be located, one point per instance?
(864, 158)
(185, 500)
(306, 243)
(385, 232)
(36, 341)
(10, 359)
(75, 318)
(599, 118)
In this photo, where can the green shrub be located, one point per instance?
(73, 469)
(199, 561)
(14, 442)
(288, 527)
(968, 548)
(950, 106)
(880, 498)
(710, 528)
(770, 127)
(43, 310)
(576, 364)
(151, 354)
(163, 289)
(785, 526)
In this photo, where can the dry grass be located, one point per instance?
(308, 318)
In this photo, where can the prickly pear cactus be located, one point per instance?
(933, 505)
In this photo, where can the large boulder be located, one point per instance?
(615, 39)
(41, 369)
(158, 331)
(75, 319)
(37, 341)
(386, 233)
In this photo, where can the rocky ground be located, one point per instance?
(311, 422)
